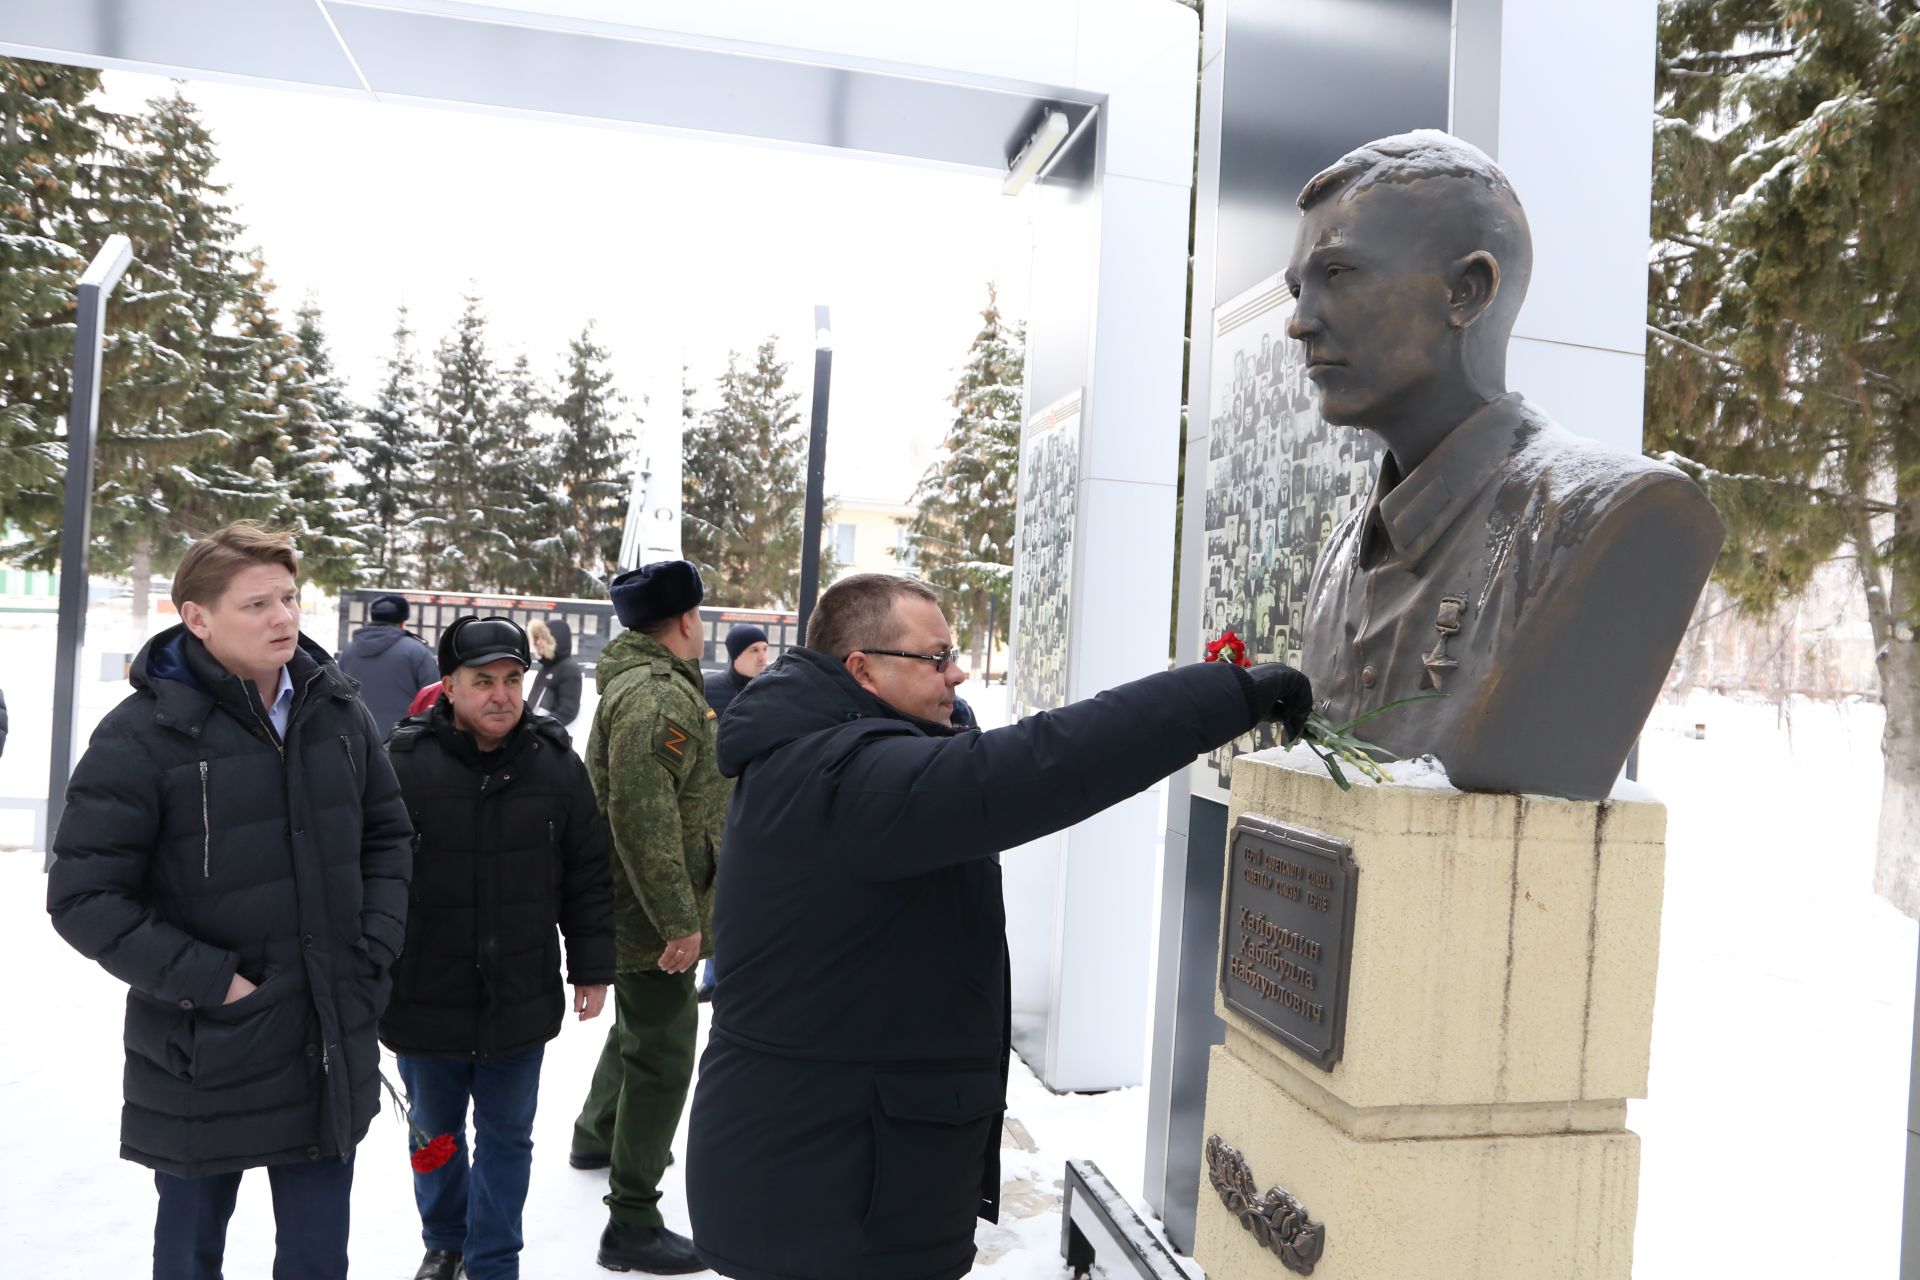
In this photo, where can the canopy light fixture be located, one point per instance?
(1039, 149)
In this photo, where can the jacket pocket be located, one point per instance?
(256, 1035)
(932, 1133)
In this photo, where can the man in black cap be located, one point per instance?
(511, 845)
(650, 756)
(746, 658)
(390, 663)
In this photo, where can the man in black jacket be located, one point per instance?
(235, 849)
(511, 845)
(390, 663)
(746, 658)
(847, 1118)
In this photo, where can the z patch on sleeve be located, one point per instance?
(672, 744)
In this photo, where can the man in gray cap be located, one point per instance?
(650, 756)
(390, 663)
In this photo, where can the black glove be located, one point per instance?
(1280, 693)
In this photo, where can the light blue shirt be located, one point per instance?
(282, 707)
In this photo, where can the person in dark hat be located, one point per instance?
(390, 663)
(746, 658)
(511, 846)
(650, 755)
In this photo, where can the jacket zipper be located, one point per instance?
(353, 766)
(206, 828)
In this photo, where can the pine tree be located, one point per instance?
(744, 486)
(68, 180)
(458, 541)
(46, 133)
(385, 449)
(166, 470)
(337, 534)
(521, 500)
(962, 533)
(1785, 366)
(588, 466)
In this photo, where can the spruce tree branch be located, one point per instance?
(1733, 59)
(1862, 506)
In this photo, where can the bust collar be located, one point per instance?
(1415, 511)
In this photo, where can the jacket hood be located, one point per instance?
(562, 639)
(804, 692)
(176, 670)
(372, 641)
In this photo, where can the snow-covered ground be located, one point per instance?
(1773, 1140)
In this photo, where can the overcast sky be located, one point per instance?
(682, 250)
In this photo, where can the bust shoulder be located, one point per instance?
(1576, 483)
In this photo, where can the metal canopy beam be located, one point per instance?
(538, 60)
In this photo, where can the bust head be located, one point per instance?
(1409, 268)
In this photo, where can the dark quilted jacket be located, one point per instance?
(511, 846)
(195, 844)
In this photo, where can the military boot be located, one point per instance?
(654, 1250)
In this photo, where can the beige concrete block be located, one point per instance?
(1505, 947)
(1499, 1207)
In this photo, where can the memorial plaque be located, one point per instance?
(1287, 944)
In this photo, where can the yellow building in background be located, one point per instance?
(870, 536)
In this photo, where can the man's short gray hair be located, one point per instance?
(857, 611)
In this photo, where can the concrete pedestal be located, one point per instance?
(1499, 1010)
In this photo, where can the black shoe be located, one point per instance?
(440, 1264)
(654, 1250)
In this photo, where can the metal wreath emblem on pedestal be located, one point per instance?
(1277, 1220)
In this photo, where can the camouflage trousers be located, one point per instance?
(640, 1088)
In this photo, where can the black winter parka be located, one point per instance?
(847, 1117)
(195, 844)
(556, 686)
(511, 845)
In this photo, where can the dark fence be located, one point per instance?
(591, 621)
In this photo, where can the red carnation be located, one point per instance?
(436, 1153)
(428, 1154)
(1231, 646)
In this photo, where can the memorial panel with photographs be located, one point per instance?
(1279, 479)
(1043, 556)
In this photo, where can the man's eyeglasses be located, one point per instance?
(940, 660)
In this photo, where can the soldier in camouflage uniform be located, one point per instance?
(650, 756)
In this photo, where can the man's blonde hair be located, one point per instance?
(211, 562)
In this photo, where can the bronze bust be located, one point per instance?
(1539, 580)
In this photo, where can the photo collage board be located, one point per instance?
(1043, 556)
(1279, 480)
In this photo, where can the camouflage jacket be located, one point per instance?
(650, 756)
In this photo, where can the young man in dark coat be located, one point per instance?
(235, 849)
(746, 658)
(556, 686)
(847, 1117)
(390, 662)
(511, 845)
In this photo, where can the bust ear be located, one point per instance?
(1476, 282)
